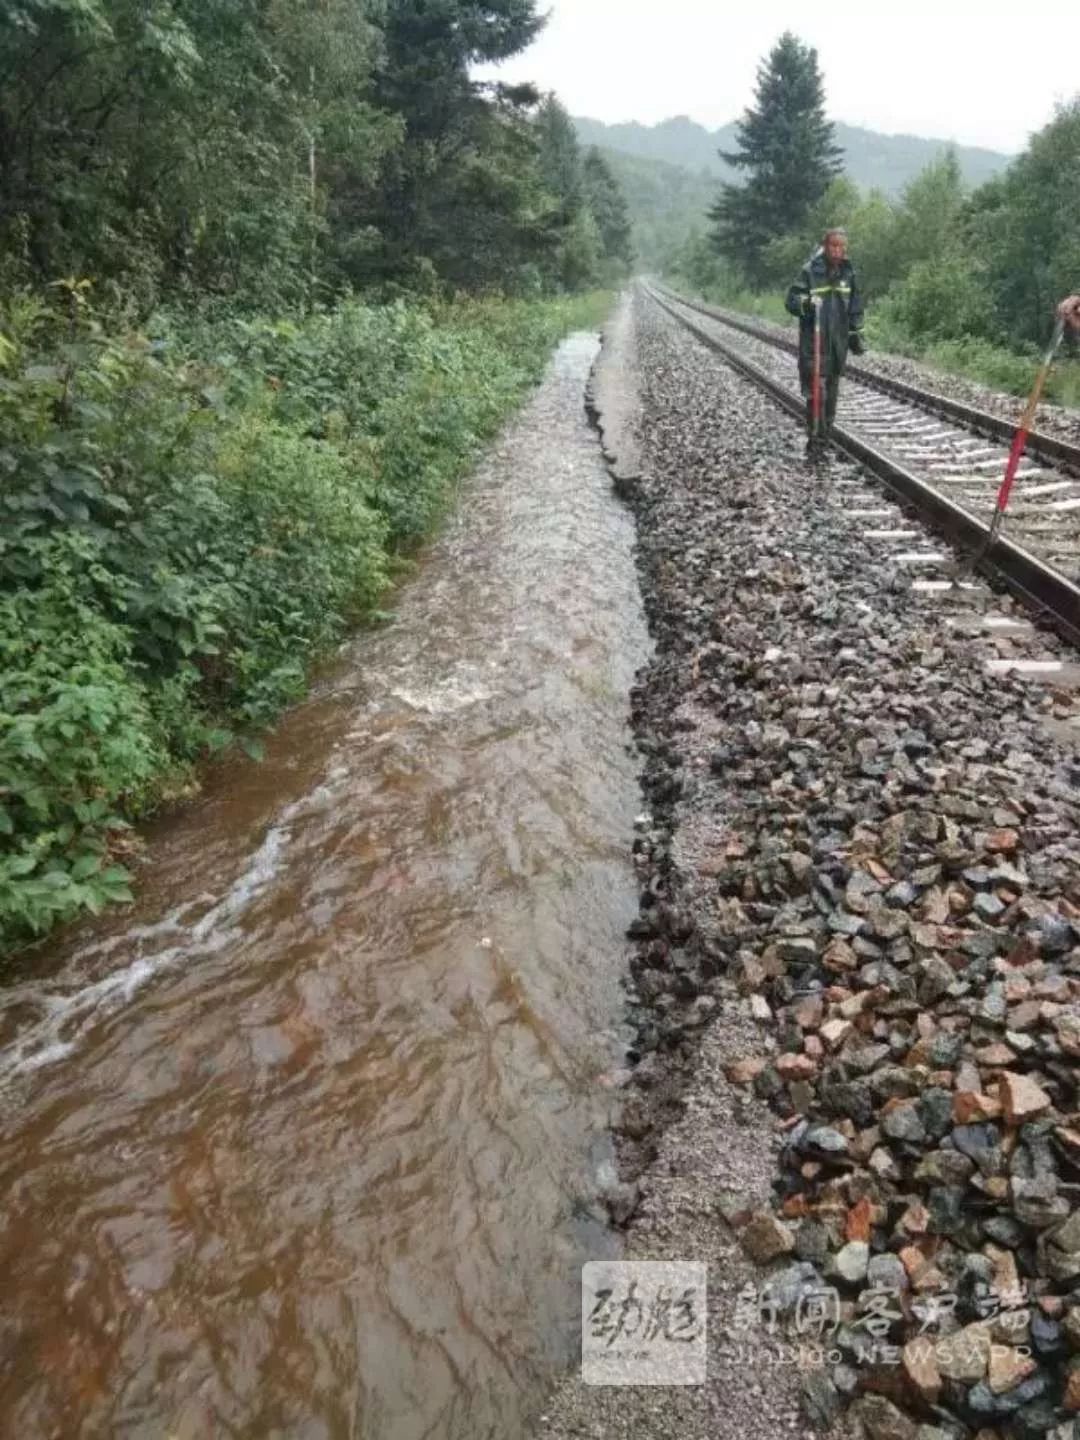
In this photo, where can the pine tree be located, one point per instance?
(560, 157)
(607, 202)
(786, 146)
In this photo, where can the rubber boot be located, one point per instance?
(832, 399)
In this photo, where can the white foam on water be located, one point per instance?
(444, 699)
(64, 1017)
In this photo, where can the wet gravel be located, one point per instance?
(856, 984)
(1059, 421)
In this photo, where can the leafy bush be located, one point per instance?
(189, 518)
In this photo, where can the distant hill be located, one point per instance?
(872, 160)
(667, 202)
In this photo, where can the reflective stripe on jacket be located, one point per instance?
(840, 311)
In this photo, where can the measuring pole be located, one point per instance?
(1020, 439)
(816, 393)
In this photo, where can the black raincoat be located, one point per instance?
(840, 316)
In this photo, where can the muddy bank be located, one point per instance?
(859, 880)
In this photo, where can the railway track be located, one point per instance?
(943, 458)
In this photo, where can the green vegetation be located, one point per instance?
(787, 150)
(665, 204)
(669, 172)
(190, 516)
(269, 154)
(269, 275)
(966, 280)
(872, 160)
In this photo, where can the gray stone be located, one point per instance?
(887, 1272)
(1054, 936)
(905, 1125)
(985, 1405)
(1068, 1236)
(1004, 1230)
(945, 1167)
(946, 1205)
(812, 1242)
(937, 978)
(893, 1082)
(788, 1287)
(1047, 1337)
(865, 1058)
(850, 1098)
(850, 1263)
(993, 1006)
(824, 1142)
(1037, 1422)
(821, 1401)
(902, 895)
(978, 877)
(881, 1420)
(842, 922)
(989, 908)
(945, 1051)
(935, 1110)
(982, 1144)
(1036, 1204)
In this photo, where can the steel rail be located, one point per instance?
(1059, 453)
(1051, 593)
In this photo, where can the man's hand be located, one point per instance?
(1069, 310)
(856, 343)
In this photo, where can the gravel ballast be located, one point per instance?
(856, 982)
(1060, 421)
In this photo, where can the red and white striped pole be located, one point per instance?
(1020, 439)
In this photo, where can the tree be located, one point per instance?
(930, 209)
(560, 158)
(269, 154)
(1025, 229)
(785, 144)
(429, 47)
(610, 211)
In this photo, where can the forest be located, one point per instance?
(269, 275)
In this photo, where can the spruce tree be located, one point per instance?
(560, 157)
(786, 146)
(610, 210)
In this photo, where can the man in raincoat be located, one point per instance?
(826, 292)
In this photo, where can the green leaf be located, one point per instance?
(85, 866)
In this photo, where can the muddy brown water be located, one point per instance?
(305, 1145)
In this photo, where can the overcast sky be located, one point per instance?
(982, 73)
